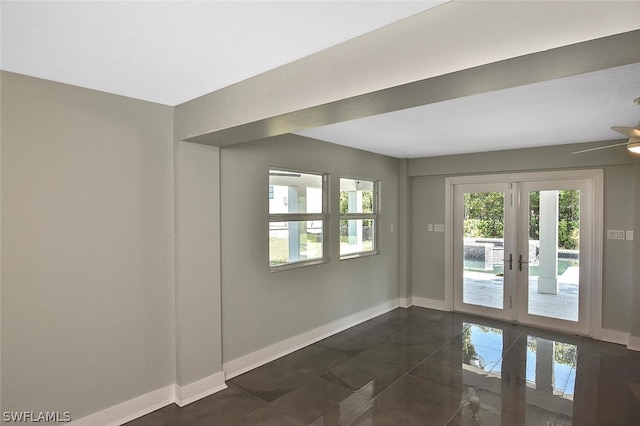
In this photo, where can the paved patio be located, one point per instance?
(486, 290)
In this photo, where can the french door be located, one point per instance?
(525, 248)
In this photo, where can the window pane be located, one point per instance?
(292, 192)
(295, 241)
(356, 236)
(356, 196)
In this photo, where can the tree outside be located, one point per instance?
(484, 216)
(367, 207)
(568, 218)
(367, 201)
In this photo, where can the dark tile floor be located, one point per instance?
(417, 366)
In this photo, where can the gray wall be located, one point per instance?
(427, 248)
(87, 247)
(198, 328)
(635, 313)
(428, 198)
(260, 308)
(618, 256)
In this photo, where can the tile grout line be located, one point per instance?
(408, 373)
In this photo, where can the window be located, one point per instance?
(297, 209)
(358, 217)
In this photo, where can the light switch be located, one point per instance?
(615, 235)
(438, 228)
(430, 227)
(629, 235)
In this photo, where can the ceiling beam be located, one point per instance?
(594, 55)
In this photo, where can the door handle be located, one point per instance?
(510, 260)
(520, 262)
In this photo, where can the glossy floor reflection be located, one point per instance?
(417, 366)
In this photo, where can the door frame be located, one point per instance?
(595, 176)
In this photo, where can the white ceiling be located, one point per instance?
(170, 52)
(570, 110)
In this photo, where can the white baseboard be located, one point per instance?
(185, 395)
(612, 336)
(619, 337)
(405, 302)
(260, 357)
(129, 410)
(424, 302)
(634, 343)
(147, 403)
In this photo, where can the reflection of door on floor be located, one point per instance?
(522, 249)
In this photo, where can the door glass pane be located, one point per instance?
(483, 280)
(554, 255)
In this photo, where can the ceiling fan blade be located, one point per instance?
(632, 132)
(600, 147)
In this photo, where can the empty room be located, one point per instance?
(320, 212)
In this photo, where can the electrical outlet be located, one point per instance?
(438, 228)
(629, 235)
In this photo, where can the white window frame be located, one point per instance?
(374, 215)
(302, 217)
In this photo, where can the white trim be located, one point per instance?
(611, 336)
(524, 176)
(448, 245)
(192, 392)
(634, 343)
(423, 302)
(405, 302)
(152, 401)
(595, 176)
(262, 356)
(129, 410)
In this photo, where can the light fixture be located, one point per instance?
(633, 133)
(634, 145)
